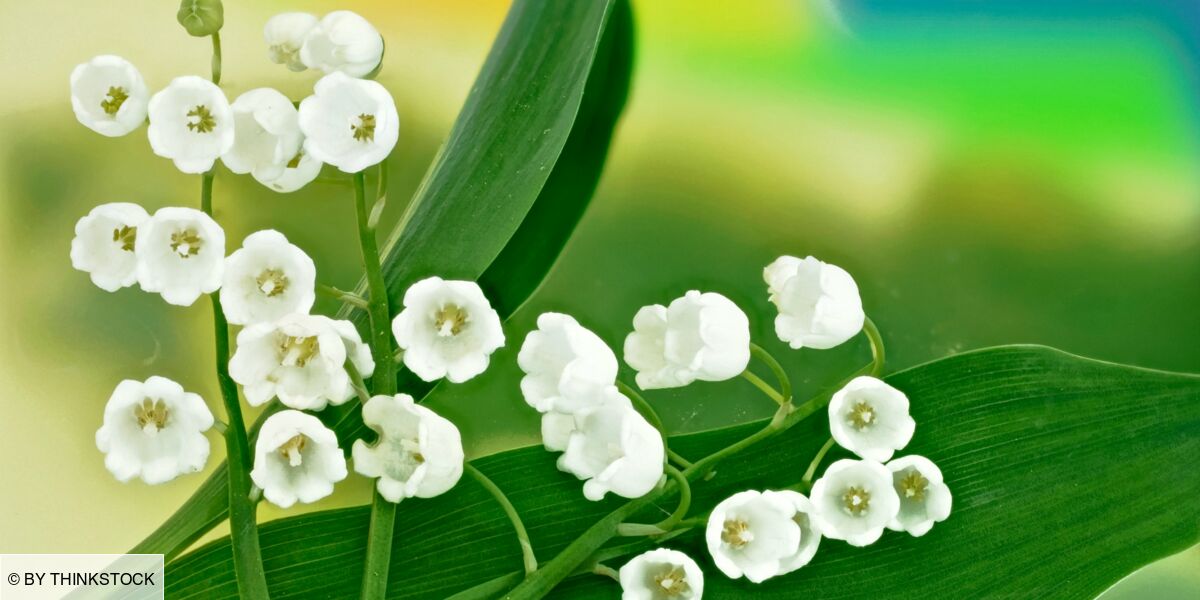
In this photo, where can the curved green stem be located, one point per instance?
(785, 384)
(383, 512)
(651, 415)
(344, 296)
(216, 58)
(685, 500)
(806, 482)
(509, 510)
(764, 386)
(243, 523)
(877, 351)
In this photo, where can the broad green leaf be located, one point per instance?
(1067, 474)
(531, 140)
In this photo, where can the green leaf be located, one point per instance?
(529, 144)
(201, 17)
(1067, 474)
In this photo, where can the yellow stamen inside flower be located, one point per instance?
(449, 320)
(295, 162)
(364, 130)
(186, 243)
(292, 449)
(272, 282)
(295, 351)
(151, 415)
(673, 582)
(856, 500)
(204, 122)
(127, 236)
(913, 486)
(737, 533)
(113, 100)
(862, 415)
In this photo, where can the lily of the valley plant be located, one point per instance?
(606, 434)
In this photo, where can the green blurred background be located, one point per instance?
(1014, 174)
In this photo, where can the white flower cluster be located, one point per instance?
(570, 377)
(349, 123)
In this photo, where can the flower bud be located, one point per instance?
(201, 17)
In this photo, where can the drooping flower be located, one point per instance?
(343, 41)
(180, 254)
(810, 535)
(610, 445)
(752, 533)
(191, 123)
(103, 244)
(566, 365)
(419, 453)
(924, 497)
(299, 359)
(109, 95)
(447, 329)
(349, 123)
(285, 34)
(267, 134)
(296, 459)
(267, 278)
(298, 172)
(699, 336)
(819, 306)
(870, 418)
(661, 574)
(154, 430)
(854, 501)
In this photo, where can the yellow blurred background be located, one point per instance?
(1022, 179)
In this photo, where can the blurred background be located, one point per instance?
(991, 173)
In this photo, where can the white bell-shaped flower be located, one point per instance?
(924, 497)
(267, 134)
(566, 366)
(752, 533)
(810, 535)
(699, 336)
(349, 123)
(191, 123)
(180, 254)
(154, 430)
(854, 501)
(104, 242)
(419, 453)
(819, 306)
(343, 41)
(299, 359)
(296, 459)
(870, 418)
(109, 95)
(661, 574)
(447, 329)
(298, 172)
(285, 34)
(266, 279)
(612, 446)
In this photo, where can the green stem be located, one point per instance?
(357, 382)
(381, 186)
(606, 571)
(877, 351)
(531, 563)
(243, 524)
(344, 296)
(765, 387)
(806, 482)
(651, 415)
(216, 57)
(785, 384)
(383, 512)
(685, 500)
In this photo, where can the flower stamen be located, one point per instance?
(737, 533)
(204, 122)
(449, 320)
(673, 582)
(364, 130)
(151, 415)
(113, 100)
(186, 243)
(914, 485)
(293, 448)
(856, 500)
(272, 282)
(295, 162)
(296, 351)
(862, 415)
(126, 236)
